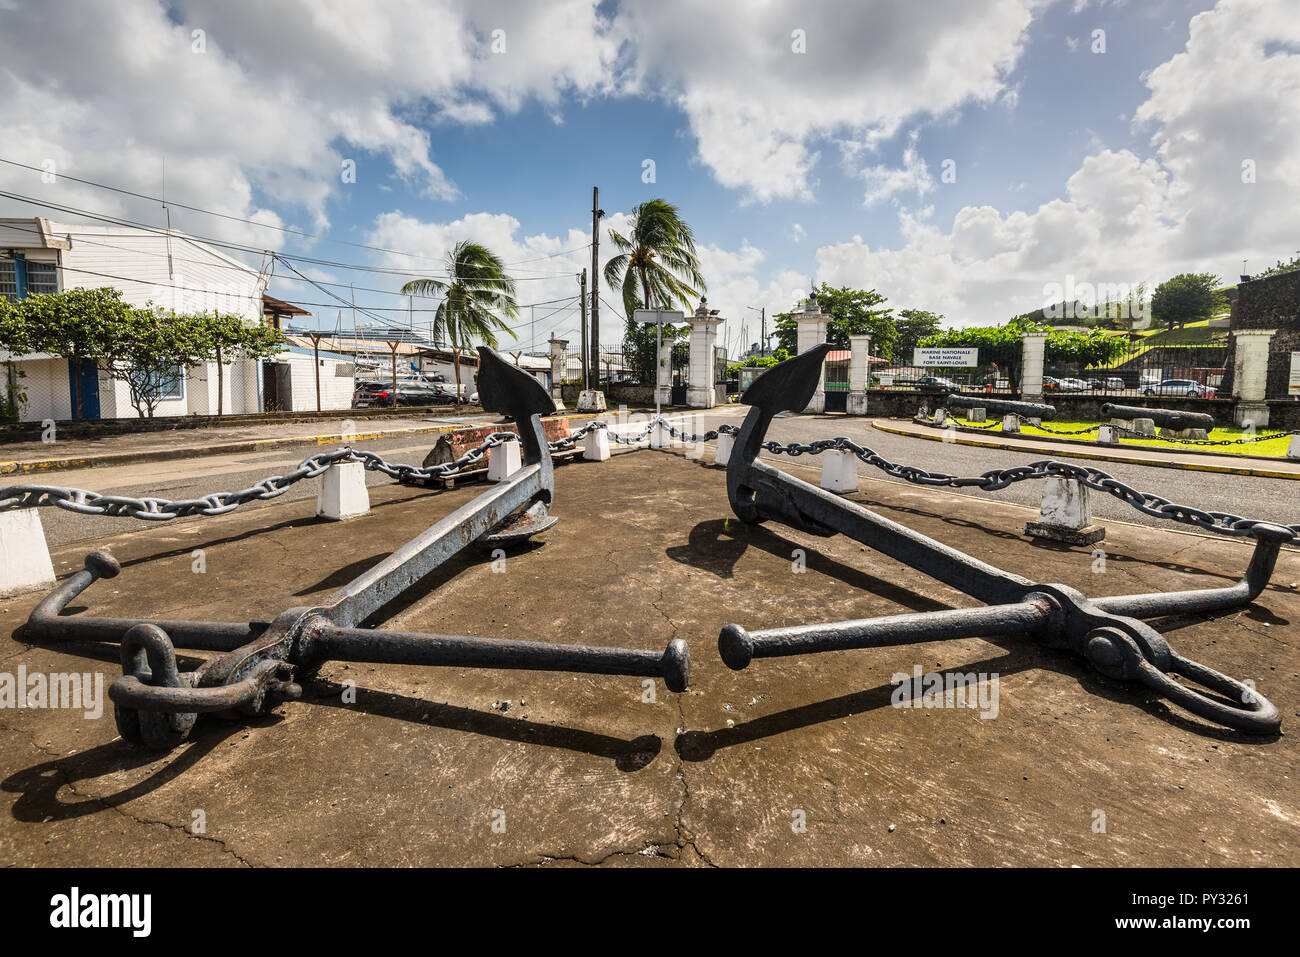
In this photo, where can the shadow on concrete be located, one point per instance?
(38, 787)
(627, 755)
(717, 545)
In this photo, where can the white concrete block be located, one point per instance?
(1065, 503)
(1010, 423)
(504, 461)
(24, 557)
(978, 415)
(660, 438)
(940, 417)
(595, 445)
(1108, 435)
(1293, 448)
(722, 454)
(591, 400)
(839, 471)
(343, 492)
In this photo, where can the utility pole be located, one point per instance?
(762, 342)
(596, 213)
(582, 309)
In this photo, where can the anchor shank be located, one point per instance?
(373, 589)
(412, 648)
(950, 566)
(738, 646)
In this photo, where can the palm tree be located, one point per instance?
(478, 298)
(656, 264)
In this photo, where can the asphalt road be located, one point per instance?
(1270, 499)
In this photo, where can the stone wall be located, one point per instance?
(1272, 303)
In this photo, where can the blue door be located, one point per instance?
(88, 377)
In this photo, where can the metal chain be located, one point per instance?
(219, 503)
(1224, 523)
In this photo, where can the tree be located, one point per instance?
(1002, 345)
(852, 312)
(1279, 268)
(478, 298)
(655, 267)
(232, 339)
(913, 326)
(79, 325)
(1187, 297)
(13, 339)
(656, 263)
(140, 346)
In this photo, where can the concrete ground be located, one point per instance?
(793, 761)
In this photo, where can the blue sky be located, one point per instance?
(793, 165)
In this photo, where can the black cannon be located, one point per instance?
(1107, 633)
(1170, 419)
(1030, 410)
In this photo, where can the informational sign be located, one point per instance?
(1293, 386)
(747, 376)
(651, 316)
(941, 358)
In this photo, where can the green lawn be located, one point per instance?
(1272, 448)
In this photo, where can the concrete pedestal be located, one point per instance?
(1065, 514)
(595, 446)
(343, 492)
(503, 461)
(24, 557)
(839, 471)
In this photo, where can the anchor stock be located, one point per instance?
(1108, 633)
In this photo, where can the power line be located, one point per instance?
(250, 250)
(252, 222)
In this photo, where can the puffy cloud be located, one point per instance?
(1218, 111)
(758, 107)
(250, 101)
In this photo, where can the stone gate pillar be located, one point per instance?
(810, 331)
(1250, 376)
(559, 356)
(704, 339)
(859, 374)
(1032, 350)
(664, 374)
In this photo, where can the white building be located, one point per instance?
(166, 268)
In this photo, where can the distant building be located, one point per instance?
(166, 268)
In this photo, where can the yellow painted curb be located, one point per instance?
(230, 448)
(1076, 452)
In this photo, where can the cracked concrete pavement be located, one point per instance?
(459, 766)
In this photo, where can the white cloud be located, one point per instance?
(1227, 98)
(270, 99)
(758, 110)
(884, 182)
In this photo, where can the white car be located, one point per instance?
(1176, 387)
(1073, 385)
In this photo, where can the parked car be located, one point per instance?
(380, 395)
(1051, 384)
(934, 383)
(1073, 385)
(1176, 387)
